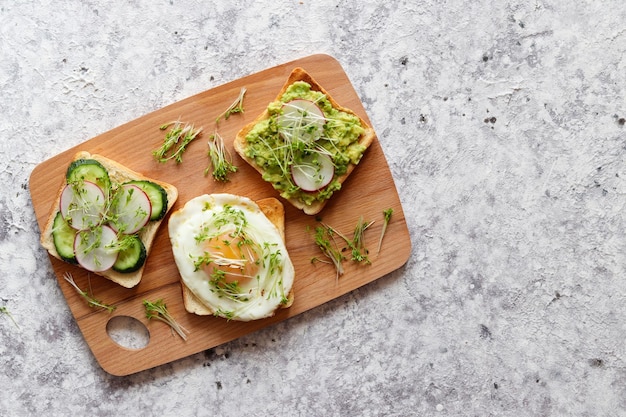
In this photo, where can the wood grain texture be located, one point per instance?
(368, 191)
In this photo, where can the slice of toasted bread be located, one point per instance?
(118, 174)
(365, 139)
(275, 212)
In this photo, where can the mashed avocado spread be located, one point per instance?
(276, 153)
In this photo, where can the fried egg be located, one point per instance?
(231, 256)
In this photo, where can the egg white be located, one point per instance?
(213, 215)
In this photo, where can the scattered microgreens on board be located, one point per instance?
(176, 141)
(158, 310)
(91, 301)
(236, 107)
(325, 239)
(387, 213)
(5, 310)
(357, 244)
(221, 160)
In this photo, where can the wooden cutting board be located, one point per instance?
(368, 191)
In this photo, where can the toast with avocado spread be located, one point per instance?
(305, 144)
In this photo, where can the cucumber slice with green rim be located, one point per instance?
(63, 236)
(88, 170)
(157, 196)
(132, 257)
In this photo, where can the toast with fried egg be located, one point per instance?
(273, 210)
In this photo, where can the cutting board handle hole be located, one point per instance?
(128, 332)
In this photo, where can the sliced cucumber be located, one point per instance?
(63, 236)
(157, 196)
(132, 257)
(88, 170)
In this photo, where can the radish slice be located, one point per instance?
(131, 209)
(82, 204)
(95, 249)
(313, 172)
(301, 120)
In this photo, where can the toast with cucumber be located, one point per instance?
(105, 218)
(305, 143)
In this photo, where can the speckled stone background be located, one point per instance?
(504, 126)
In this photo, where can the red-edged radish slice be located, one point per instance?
(313, 172)
(131, 209)
(82, 204)
(301, 120)
(95, 249)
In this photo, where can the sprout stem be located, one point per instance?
(359, 251)
(6, 311)
(324, 239)
(387, 213)
(179, 132)
(221, 159)
(91, 301)
(158, 311)
(236, 107)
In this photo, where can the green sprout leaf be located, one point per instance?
(158, 310)
(91, 301)
(236, 107)
(357, 244)
(325, 241)
(5, 310)
(176, 141)
(221, 159)
(387, 213)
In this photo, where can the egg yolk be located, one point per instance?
(234, 256)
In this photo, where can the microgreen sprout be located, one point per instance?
(357, 244)
(325, 240)
(179, 132)
(5, 310)
(221, 159)
(158, 310)
(236, 107)
(91, 301)
(387, 213)
(228, 315)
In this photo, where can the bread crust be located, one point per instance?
(299, 74)
(275, 212)
(118, 173)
